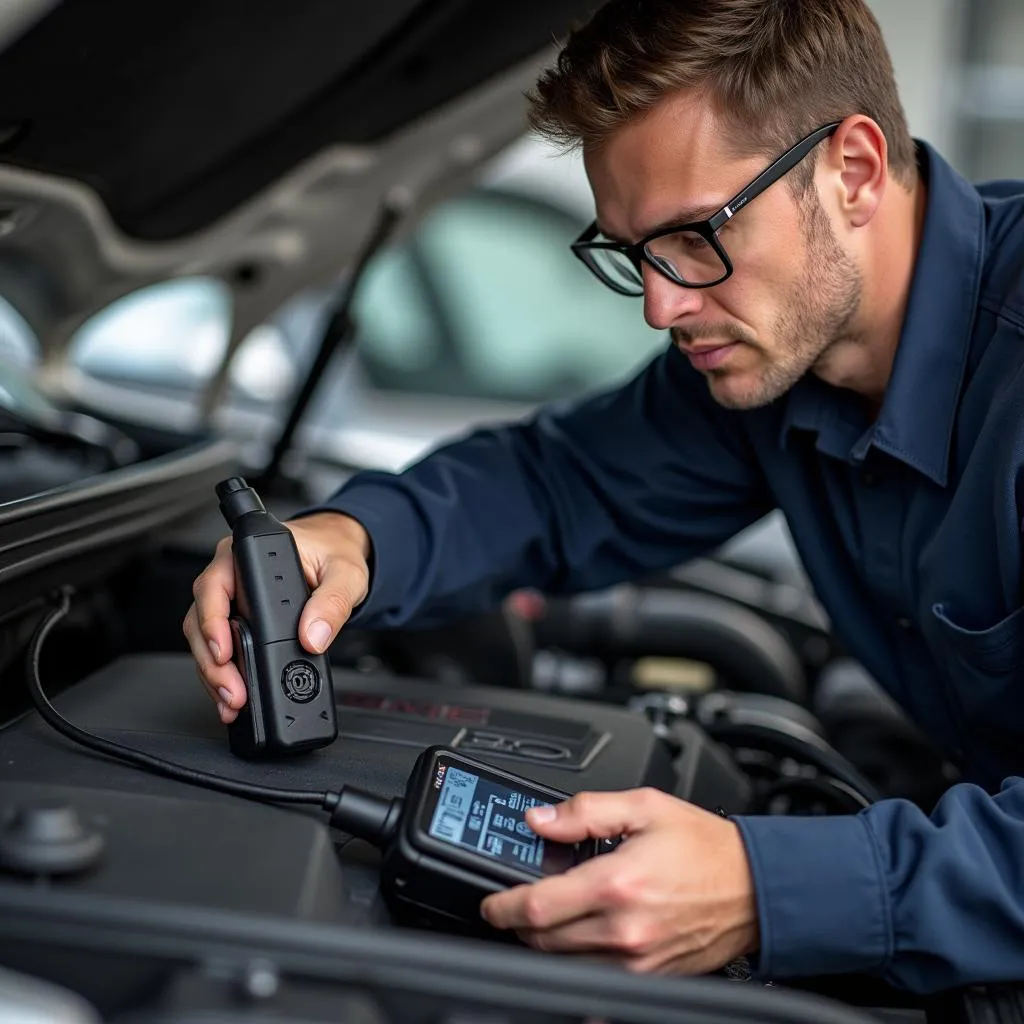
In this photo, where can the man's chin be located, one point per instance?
(751, 389)
(740, 391)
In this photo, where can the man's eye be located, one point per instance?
(696, 242)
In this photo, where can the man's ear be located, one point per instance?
(858, 158)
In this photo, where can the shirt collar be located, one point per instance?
(915, 423)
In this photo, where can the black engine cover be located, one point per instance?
(176, 848)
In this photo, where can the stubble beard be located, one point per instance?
(817, 316)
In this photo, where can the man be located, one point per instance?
(847, 320)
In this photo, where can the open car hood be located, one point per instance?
(249, 140)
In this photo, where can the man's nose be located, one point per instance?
(665, 302)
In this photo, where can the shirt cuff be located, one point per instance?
(822, 903)
(394, 530)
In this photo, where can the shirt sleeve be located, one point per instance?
(927, 902)
(579, 497)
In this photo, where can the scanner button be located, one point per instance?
(300, 681)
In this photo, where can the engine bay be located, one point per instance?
(184, 902)
(254, 153)
(171, 849)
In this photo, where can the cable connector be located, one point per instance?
(364, 815)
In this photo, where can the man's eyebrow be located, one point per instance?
(690, 215)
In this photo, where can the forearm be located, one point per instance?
(927, 902)
(624, 483)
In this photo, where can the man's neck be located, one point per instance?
(864, 364)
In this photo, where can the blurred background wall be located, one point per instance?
(926, 38)
(960, 68)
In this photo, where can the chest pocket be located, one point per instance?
(986, 670)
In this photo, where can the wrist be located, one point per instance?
(338, 524)
(744, 931)
(356, 533)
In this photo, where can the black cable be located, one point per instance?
(327, 800)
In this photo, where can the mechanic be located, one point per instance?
(847, 345)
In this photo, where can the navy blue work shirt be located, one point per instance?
(908, 525)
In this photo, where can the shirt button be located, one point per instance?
(868, 479)
(904, 623)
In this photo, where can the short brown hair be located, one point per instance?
(774, 69)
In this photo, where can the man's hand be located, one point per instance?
(676, 897)
(334, 550)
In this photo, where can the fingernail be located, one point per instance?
(225, 695)
(543, 814)
(319, 633)
(215, 651)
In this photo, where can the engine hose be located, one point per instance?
(787, 744)
(649, 621)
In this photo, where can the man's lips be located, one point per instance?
(708, 357)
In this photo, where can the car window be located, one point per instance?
(486, 300)
(18, 344)
(399, 332)
(173, 336)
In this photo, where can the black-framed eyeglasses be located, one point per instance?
(690, 255)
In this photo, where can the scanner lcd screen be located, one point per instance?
(484, 814)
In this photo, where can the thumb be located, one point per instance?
(593, 816)
(342, 586)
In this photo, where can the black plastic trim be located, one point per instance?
(59, 525)
(436, 965)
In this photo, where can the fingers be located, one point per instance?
(601, 916)
(342, 587)
(596, 815)
(551, 902)
(584, 935)
(222, 682)
(622, 942)
(332, 549)
(213, 590)
(589, 909)
(209, 635)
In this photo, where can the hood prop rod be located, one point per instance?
(339, 332)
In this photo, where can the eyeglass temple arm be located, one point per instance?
(771, 174)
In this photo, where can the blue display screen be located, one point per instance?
(488, 816)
